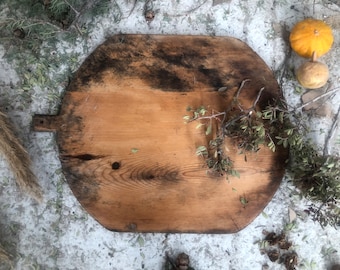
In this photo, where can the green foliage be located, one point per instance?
(217, 162)
(29, 23)
(30, 31)
(308, 265)
(276, 127)
(318, 178)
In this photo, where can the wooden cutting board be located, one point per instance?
(126, 152)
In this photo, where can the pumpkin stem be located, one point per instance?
(314, 56)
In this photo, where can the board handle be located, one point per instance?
(46, 123)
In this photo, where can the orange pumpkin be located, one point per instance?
(311, 35)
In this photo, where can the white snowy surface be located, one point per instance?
(59, 234)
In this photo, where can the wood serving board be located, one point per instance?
(126, 152)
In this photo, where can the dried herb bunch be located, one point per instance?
(318, 177)
(277, 125)
(250, 128)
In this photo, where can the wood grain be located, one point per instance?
(127, 154)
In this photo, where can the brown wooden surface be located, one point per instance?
(132, 93)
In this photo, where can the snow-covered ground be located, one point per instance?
(59, 234)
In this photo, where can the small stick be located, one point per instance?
(133, 8)
(331, 132)
(317, 98)
(247, 112)
(238, 93)
(257, 98)
(208, 117)
(254, 103)
(188, 11)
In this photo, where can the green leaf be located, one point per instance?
(243, 201)
(199, 125)
(289, 131)
(235, 173)
(290, 226)
(298, 90)
(140, 241)
(272, 146)
(202, 110)
(134, 150)
(264, 214)
(186, 118)
(201, 150)
(281, 117)
(330, 165)
(285, 143)
(209, 128)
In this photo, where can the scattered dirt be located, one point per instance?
(321, 108)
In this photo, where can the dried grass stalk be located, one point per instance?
(18, 159)
(4, 257)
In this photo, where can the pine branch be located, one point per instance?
(13, 23)
(87, 6)
(71, 7)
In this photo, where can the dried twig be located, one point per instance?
(318, 98)
(238, 93)
(255, 101)
(188, 11)
(245, 112)
(334, 127)
(133, 8)
(213, 116)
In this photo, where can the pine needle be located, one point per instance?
(18, 159)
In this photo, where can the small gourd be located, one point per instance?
(309, 36)
(312, 74)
